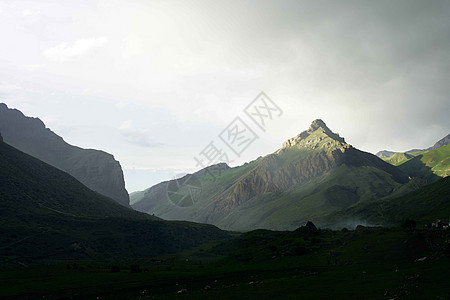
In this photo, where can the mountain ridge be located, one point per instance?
(47, 215)
(302, 138)
(284, 189)
(96, 169)
(442, 142)
(24, 179)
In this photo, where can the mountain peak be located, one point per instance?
(318, 136)
(316, 124)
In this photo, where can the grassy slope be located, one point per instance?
(363, 264)
(45, 214)
(429, 165)
(328, 193)
(424, 205)
(397, 158)
(311, 200)
(210, 189)
(436, 162)
(28, 184)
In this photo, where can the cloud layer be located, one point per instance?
(153, 82)
(66, 52)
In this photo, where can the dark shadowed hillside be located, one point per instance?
(96, 169)
(46, 215)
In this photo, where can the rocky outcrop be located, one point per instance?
(442, 142)
(96, 169)
(385, 153)
(271, 176)
(306, 138)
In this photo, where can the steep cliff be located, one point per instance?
(96, 169)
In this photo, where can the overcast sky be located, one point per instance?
(154, 82)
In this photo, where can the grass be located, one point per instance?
(429, 165)
(398, 158)
(425, 204)
(361, 264)
(313, 200)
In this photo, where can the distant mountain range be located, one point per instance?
(96, 169)
(429, 164)
(442, 142)
(313, 175)
(47, 215)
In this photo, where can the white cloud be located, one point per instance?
(6, 86)
(137, 136)
(28, 13)
(185, 71)
(31, 67)
(66, 52)
(126, 125)
(121, 104)
(133, 46)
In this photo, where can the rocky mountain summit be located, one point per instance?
(317, 136)
(96, 169)
(313, 174)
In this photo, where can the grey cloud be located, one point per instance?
(140, 138)
(137, 136)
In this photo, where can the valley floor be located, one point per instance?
(308, 264)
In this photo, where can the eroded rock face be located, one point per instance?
(315, 151)
(317, 136)
(442, 142)
(271, 176)
(96, 169)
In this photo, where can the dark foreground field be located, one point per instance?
(306, 263)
